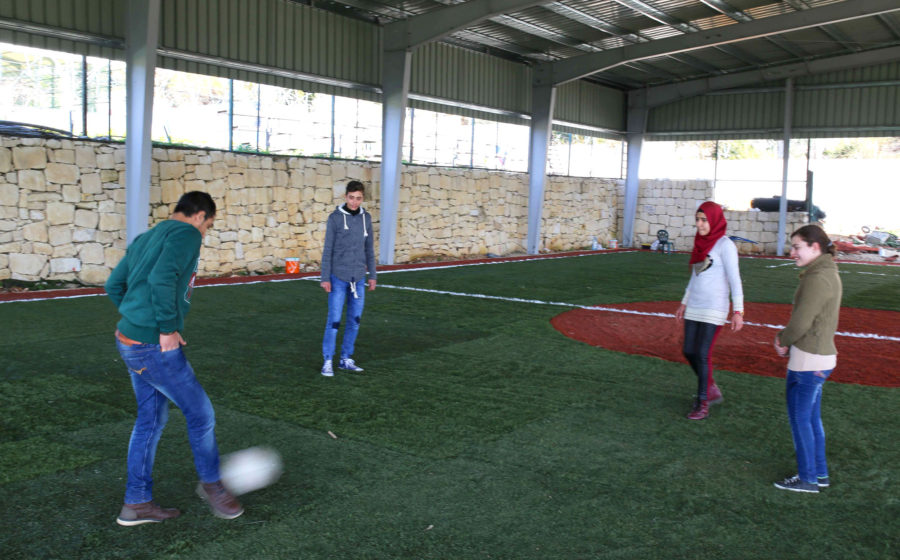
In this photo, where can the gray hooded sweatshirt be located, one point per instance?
(349, 246)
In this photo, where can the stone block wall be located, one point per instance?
(671, 205)
(451, 212)
(62, 208)
(762, 227)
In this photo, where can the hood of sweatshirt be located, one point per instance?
(362, 212)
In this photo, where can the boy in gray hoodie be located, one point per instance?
(348, 254)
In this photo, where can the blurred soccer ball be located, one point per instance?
(250, 469)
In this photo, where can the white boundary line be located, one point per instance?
(502, 262)
(611, 309)
(317, 278)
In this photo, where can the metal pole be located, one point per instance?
(472, 145)
(786, 155)
(332, 125)
(230, 114)
(84, 96)
(716, 170)
(412, 133)
(258, 95)
(109, 99)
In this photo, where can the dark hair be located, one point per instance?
(355, 186)
(814, 234)
(196, 201)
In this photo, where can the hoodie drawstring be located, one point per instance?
(363, 212)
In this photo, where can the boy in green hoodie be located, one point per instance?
(152, 288)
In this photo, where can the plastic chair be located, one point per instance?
(664, 246)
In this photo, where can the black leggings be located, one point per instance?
(699, 339)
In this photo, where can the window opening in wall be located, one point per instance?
(558, 154)
(81, 95)
(408, 145)
(748, 169)
(41, 87)
(105, 106)
(192, 110)
(847, 175)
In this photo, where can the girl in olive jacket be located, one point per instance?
(808, 339)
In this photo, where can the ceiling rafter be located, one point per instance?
(891, 25)
(660, 95)
(622, 33)
(549, 33)
(562, 71)
(834, 34)
(686, 28)
(727, 9)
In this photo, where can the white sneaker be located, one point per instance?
(350, 365)
(327, 370)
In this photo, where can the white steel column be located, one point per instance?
(637, 124)
(786, 154)
(140, 58)
(395, 88)
(543, 98)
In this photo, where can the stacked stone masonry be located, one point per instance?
(62, 209)
(671, 205)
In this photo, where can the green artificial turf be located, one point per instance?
(476, 431)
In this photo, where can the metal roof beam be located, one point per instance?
(724, 7)
(595, 23)
(420, 29)
(61, 33)
(660, 95)
(562, 71)
(687, 28)
(889, 23)
(834, 34)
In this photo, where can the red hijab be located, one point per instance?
(703, 244)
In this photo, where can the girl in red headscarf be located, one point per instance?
(705, 306)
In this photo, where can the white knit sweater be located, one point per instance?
(706, 296)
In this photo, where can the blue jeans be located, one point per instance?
(341, 292)
(804, 400)
(699, 339)
(157, 378)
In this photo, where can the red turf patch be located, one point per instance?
(864, 361)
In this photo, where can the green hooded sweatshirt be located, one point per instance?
(152, 285)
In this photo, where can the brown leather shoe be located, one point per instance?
(147, 512)
(223, 504)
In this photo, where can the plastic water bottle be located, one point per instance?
(594, 244)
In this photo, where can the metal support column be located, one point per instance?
(786, 155)
(395, 88)
(543, 97)
(637, 125)
(140, 56)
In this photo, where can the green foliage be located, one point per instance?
(741, 149)
(844, 150)
(476, 431)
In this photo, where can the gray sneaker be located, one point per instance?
(821, 481)
(349, 365)
(327, 370)
(795, 484)
(147, 512)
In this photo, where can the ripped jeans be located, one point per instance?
(343, 292)
(157, 378)
(804, 403)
